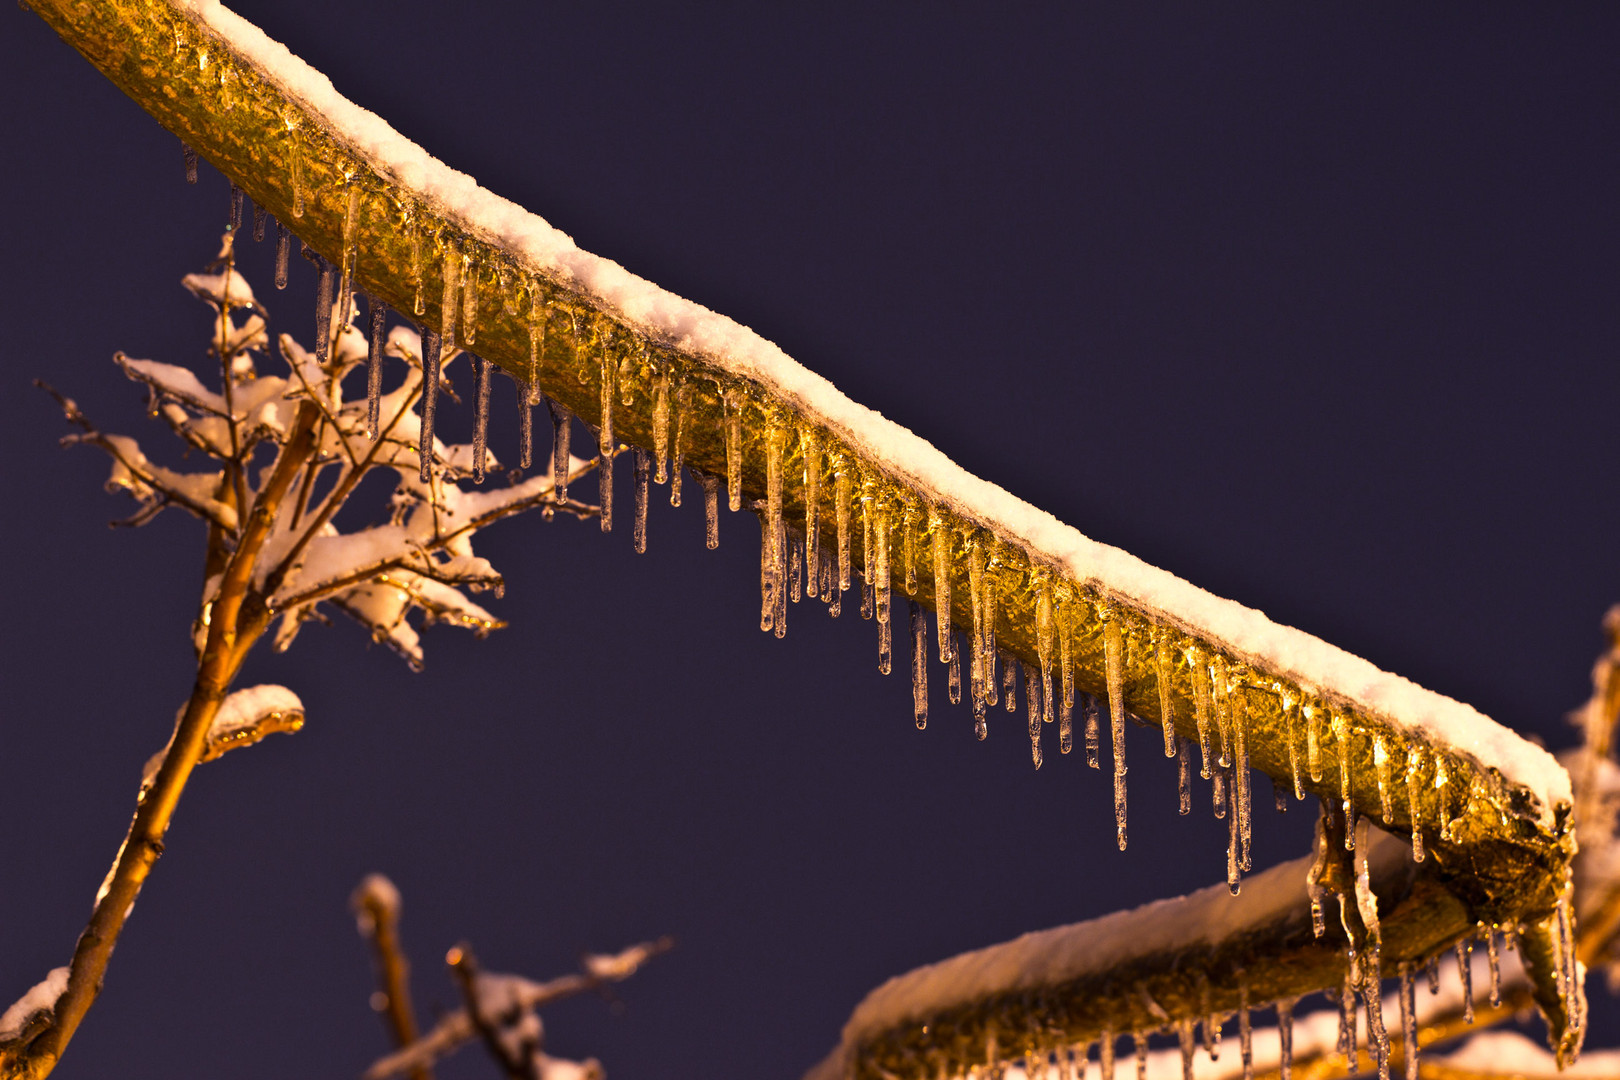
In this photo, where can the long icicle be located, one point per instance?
(1184, 775)
(323, 311)
(841, 513)
(431, 353)
(1245, 1031)
(942, 584)
(919, 664)
(731, 401)
(772, 558)
(481, 418)
(711, 509)
(1290, 707)
(351, 251)
(1162, 669)
(1238, 711)
(607, 445)
(976, 674)
(661, 427)
(638, 530)
(880, 559)
(562, 433)
(378, 312)
(1032, 698)
(1199, 667)
(1114, 659)
(283, 252)
(810, 452)
(1285, 1038)
(1414, 783)
(683, 399)
(525, 425)
(1409, 1035)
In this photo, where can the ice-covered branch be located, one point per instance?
(245, 717)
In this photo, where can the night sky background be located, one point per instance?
(1312, 306)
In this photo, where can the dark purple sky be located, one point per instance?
(1314, 307)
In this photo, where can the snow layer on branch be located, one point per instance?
(1050, 957)
(248, 707)
(1508, 1053)
(1243, 631)
(40, 997)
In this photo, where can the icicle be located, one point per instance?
(683, 397)
(866, 598)
(1139, 1041)
(1114, 660)
(481, 418)
(1414, 767)
(988, 602)
(1184, 775)
(772, 525)
(297, 163)
(503, 284)
(1313, 743)
(537, 340)
(1409, 1035)
(829, 588)
(810, 452)
(283, 250)
(189, 157)
(942, 585)
(1009, 682)
(562, 432)
(1245, 1031)
(767, 583)
(919, 665)
(525, 425)
(1105, 1054)
(1213, 1021)
(841, 483)
(1162, 671)
(867, 563)
(1219, 687)
(606, 444)
(1065, 652)
(1032, 697)
(1043, 638)
(580, 321)
(638, 530)
(796, 565)
(351, 254)
(1234, 841)
(975, 561)
(1184, 1037)
(1218, 793)
(1495, 958)
(258, 223)
(234, 222)
(1465, 972)
(323, 313)
(1092, 710)
(711, 509)
(1290, 708)
(431, 355)
(374, 359)
(981, 726)
(1341, 738)
(1431, 972)
(908, 548)
(661, 427)
(1237, 707)
(1199, 666)
(1065, 729)
(469, 299)
(604, 490)
(953, 678)
(1285, 1038)
(1313, 877)
(447, 298)
(880, 546)
(1348, 1037)
(1441, 779)
(1381, 769)
(732, 404)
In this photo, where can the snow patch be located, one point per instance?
(41, 997)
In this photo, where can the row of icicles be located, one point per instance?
(793, 563)
(1040, 1059)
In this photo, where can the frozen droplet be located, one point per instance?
(683, 400)
(188, 157)
(431, 352)
(1184, 775)
(638, 531)
(841, 484)
(323, 312)
(447, 295)
(942, 585)
(1285, 1038)
(880, 586)
(1465, 973)
(1114, 663)
(661, 427)
(1199, 666)
(1032, 696)
(258, 222)
(481, 418)
(1092, 711)
(731, 401)
(711, 509)
(919, 664)
(562, 432)
(1414, 784)
(378, 312)
(1162, 670)
(235, 219)
(1409, 1035)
